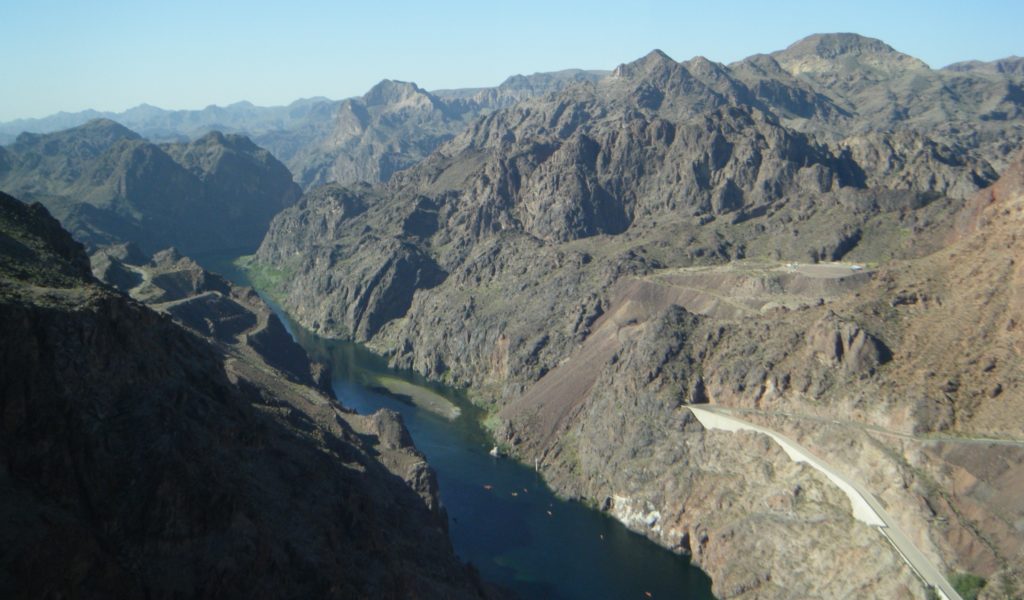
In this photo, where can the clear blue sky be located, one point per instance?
(75, 54)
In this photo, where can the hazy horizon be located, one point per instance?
(190, 55)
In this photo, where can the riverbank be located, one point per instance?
(503, 519)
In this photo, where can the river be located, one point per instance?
(502, 517)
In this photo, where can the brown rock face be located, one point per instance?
(846, 346)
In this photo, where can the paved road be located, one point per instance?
(866, 507)
(928, 438)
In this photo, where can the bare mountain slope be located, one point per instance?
(142, 459)
(772, 237)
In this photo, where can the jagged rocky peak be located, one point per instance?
(691, 85)
(127, 252)
(389, 91)
(654, 62)
(833, 52)
(700, 65)
(167, 257)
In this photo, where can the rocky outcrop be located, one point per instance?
(846, 346)
(210, 306)
(140, 459)
(244, 183)
(383, 283)
(107, 185)
(844, 54)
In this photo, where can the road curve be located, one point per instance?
(866, 507)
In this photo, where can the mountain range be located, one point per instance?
(392, 126)
(821, 241)
(591, 262)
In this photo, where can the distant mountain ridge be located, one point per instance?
(159, 124)
(1013, 65)
(392, 126)
(163, 125)
(107, 184)
(369, 138)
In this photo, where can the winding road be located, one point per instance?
(866, 507)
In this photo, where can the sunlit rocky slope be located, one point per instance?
(591, 262)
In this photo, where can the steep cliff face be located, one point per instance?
(762, 525)
(140, 458)
(107, 185)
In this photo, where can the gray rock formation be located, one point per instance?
(388, 129)
(516, 89)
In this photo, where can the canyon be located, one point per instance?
(796, 235)
(707, 300)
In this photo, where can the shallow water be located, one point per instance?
(502, 517)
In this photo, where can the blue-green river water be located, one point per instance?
(502, 517)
